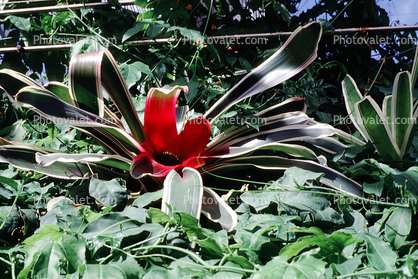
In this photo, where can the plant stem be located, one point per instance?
(13, 205)
(191, 254)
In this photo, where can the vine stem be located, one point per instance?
(13, 205)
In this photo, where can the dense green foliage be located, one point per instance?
(290, 225)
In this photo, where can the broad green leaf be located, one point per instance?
(146, 198)
(8, 224)
(189, 35)
(331, 247)
(398, 227)
(9, 181)
(75, 252)
(377, 129)
(193, 88)
(401, 110)
(278, 268)
(258, 229)
(349, 266)
(296, 176)
(184, 192)
(20, 22)
(279, 67)
(155, 27)
(132, 72)
(47, 259)
(15, 132)
(379, 253)
(133, 31)
(409, 180)
(112, 270)
(375, 188)
(50, 231)
(352, 96)
(112, 225)
(178, 272)
(109, 193)
(205, 238)
(157, 216)
(283, 12)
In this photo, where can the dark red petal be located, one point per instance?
(192, 140)
(144, 164)
(160, 115)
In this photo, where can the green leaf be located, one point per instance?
(398, 227)
(331, 247)
(375, 188)
(112, 270)
(408, 179)
(296, 176)
(414, 72)
(50, 231)
(20, 22)
(132, 72)
(377, 129)
(155, 28)
(8, 225)
(157, 216)
(379, 253)
(184, 192)
(114, 161)
(109, 193)
(146, 198)
(279, 67)
(9, 181)
(24, 157)
(189, 35)
(93, 72)
(306, 268)
(253, 232)
(30, 219)
(193, 88)
(60, 90)
(48, 259)
(14, 132)
(75, 252)
(114, 225)
(110, 134)
(133, 31)
(401, 110)
(349, 266)
(352, 96)
(283, 12)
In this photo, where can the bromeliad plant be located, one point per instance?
(165, 144)
(392, 128)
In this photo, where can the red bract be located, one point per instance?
(166, 148)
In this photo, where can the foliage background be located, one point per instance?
(361, 238)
